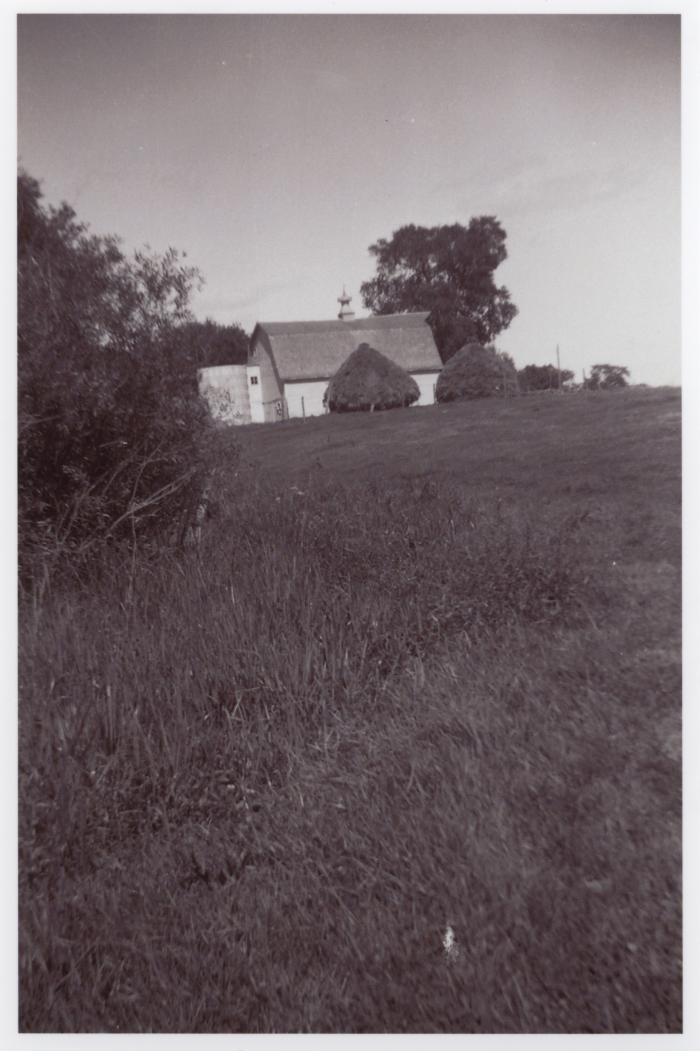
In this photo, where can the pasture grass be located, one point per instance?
(260, 779)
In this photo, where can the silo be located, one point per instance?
(225, 390)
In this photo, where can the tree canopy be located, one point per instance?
(204, 343)
(543, 377)
(448, 271)
(607, 377)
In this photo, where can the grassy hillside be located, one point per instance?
(537, 447)
(419, 685)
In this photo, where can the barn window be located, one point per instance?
(253, 380)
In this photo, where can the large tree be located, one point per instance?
(449, 271)
(607, 377)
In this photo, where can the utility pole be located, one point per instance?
(558, 369)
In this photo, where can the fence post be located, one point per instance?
(303, 409)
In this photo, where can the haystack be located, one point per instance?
(476, 371)
(368, 380)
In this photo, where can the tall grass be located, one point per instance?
(259, 779)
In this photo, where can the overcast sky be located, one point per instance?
(275, 149)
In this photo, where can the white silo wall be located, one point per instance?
(225, 390)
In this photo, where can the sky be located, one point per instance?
(275, 149)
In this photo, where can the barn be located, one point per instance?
(291, 362)
(296, 359)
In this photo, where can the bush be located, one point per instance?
(543, 377)
(110, 426)
(368, 380)
(476, 372)
(607, 377)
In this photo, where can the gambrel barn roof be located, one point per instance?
(314, 350)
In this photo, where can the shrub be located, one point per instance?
(110, 426)
(607, 377)
(368, 380)
(544, 377)
(476, 372)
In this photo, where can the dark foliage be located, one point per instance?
(607, 377)
(476, 372)
(109, 421)
(204, 343)
(543, 377)
(368, 380)
(447, 270)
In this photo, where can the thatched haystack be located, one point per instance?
(476, 371)
(368, 380)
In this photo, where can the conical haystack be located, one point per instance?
(476, 372)
(368, 380)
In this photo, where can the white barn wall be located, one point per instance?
(269, 387)
(257, 407)
(426, 384)
(311, 391)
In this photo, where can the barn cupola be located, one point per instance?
(346, 314)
